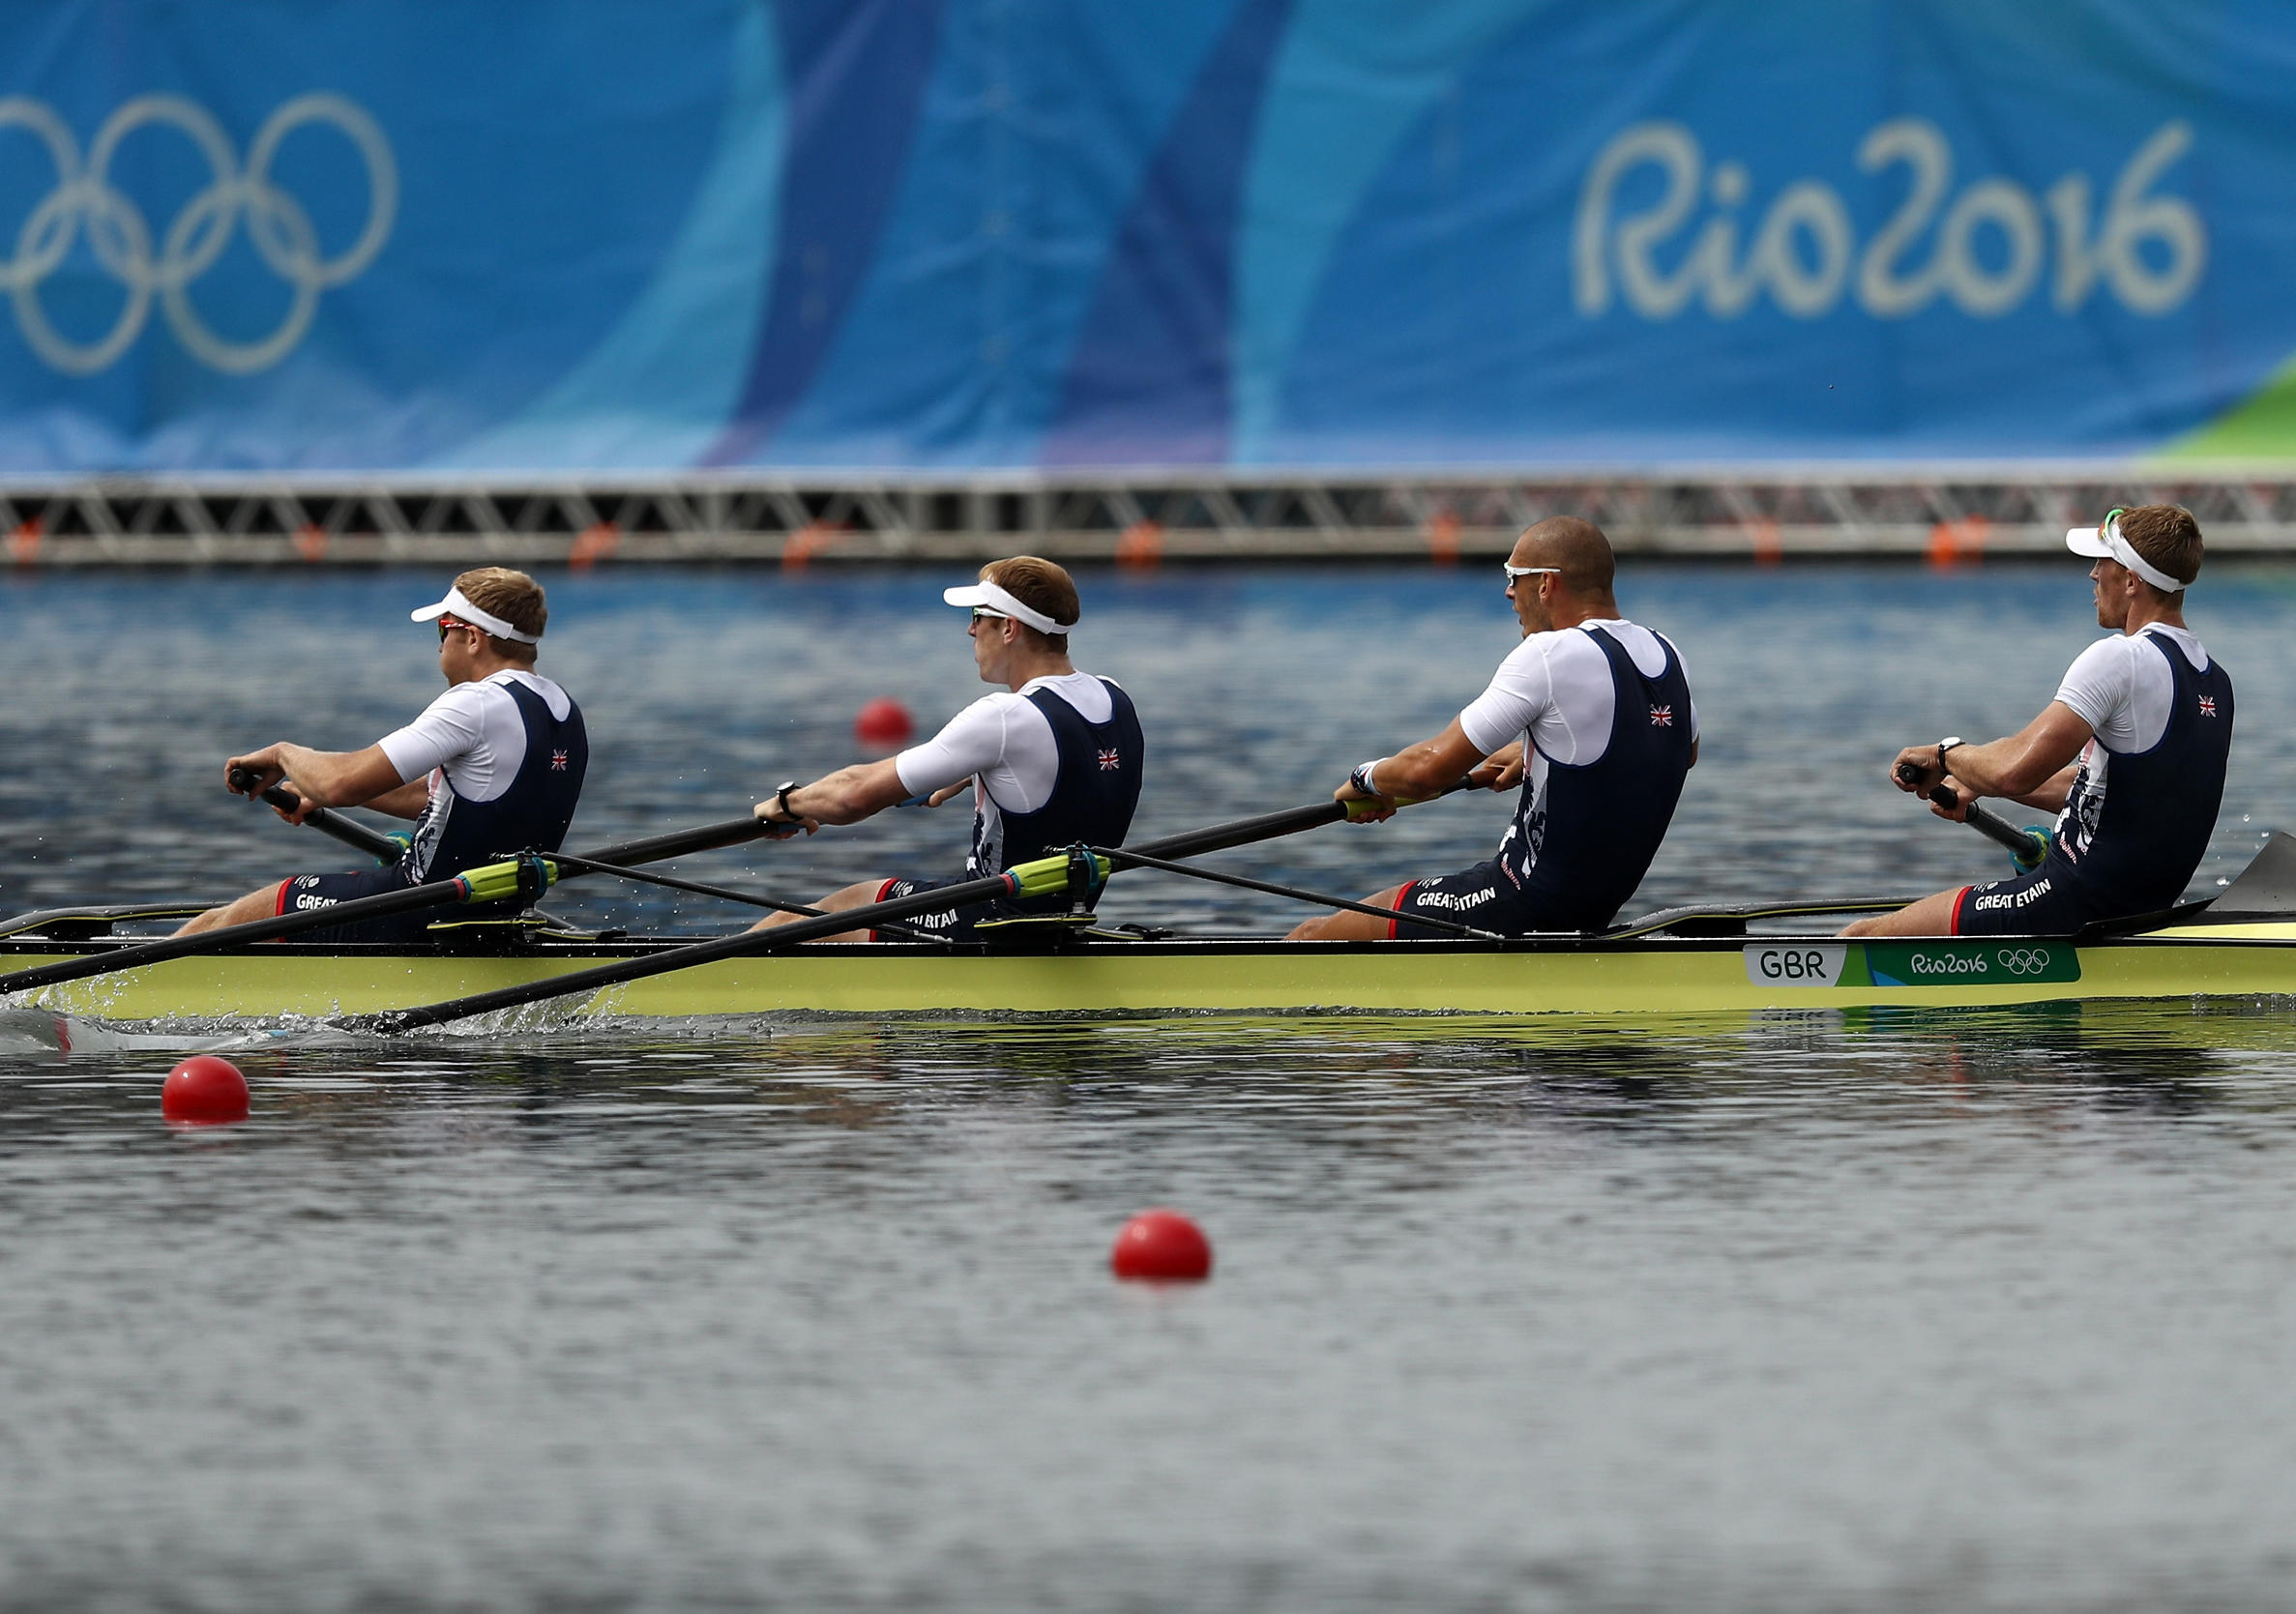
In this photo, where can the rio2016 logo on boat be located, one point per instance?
(1948, 963)
(2148, 250)
(121, 238)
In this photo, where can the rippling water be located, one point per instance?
(1824, 1312)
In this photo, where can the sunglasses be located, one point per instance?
(981, 614)
(1514, 572)
(448, 623)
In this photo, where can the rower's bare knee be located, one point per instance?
(857, 894)
(1931, 916)
(245, 910)
(1345, 926)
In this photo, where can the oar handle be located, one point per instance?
(326, 820)
(2027, 847)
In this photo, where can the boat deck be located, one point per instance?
(1636, 974)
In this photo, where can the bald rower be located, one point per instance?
(1591, 715)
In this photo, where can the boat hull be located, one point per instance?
(1641, 977)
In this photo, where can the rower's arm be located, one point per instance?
(845, 797)
(2033, 766)
(406, 802)
(1423, 772)
(322, 779)
(2050, 797)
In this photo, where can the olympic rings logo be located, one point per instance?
(2023, 960)
(279, 227)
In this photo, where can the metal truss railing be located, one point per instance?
(1953, 513)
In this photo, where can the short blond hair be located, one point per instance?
(514, 597)
(1042, 586)
(2167, 536)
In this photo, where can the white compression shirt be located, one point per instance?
(473, 733)
(1005, 743)
(1557, 687)
(2122, 687)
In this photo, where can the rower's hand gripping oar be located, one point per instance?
(1043, 877)
(385, 849)
(527, 875)
(2026, 847)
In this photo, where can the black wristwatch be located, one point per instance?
(1946, 745)
(781, 803)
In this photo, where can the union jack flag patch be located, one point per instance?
(1110, 761)
(2208, 706)
(1662, 716)
(558, 762)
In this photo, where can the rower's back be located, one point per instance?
(2137, 819)
(1586, 832)
(1096, 740)
(514, 787)
(1610, 750)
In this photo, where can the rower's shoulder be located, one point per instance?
(2183, 638)
(1640, 642)
(553, 694)
(1076, 677)
(1084, 691)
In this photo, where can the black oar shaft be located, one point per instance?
(383, 905)
(1218, 838)
(1243, 831)
(723, 894)
(1997, 828)
(327, 821)
(436, 894)
(1220, 877)
(600, 977)
(1990, 825)
(706, 838)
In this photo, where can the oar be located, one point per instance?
(1123, 858)
(1043, 877)
(2027, 847)
(520, 876)
(383, 848)
(723, 894)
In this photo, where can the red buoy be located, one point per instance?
(1161, 1244)
(205, 1091)
(883, 722)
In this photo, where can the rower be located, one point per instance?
(1611, 733)
(491, 768)
(1053, 763)
(2146, 712)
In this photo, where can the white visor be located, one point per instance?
(2108, 544)
(462, 610)
(990, 598)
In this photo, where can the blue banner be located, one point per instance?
(982, 234)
